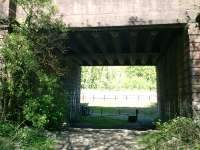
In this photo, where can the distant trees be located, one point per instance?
(118, 78)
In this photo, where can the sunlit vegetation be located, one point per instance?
(178, 134)
(31, 86)
(118, 78)
(31, 89)
(12, 136)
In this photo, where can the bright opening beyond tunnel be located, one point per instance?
(119, 96)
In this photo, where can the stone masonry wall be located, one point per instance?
(194, 62)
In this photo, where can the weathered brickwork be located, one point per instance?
(194, 61)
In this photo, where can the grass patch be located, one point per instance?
(12, 137)
(147, 111)
(103, 122)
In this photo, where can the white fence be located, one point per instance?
(119, 98)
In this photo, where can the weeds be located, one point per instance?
(13, 136)
(181, 133)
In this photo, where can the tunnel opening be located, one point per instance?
(163, 46)
(118, 97)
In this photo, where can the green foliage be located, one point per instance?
(150, 112)
(6, 129)
(179, 133)
(31, 81)
(24, 138)
(49, 107)
(34, 139)
(118, 78)
(103, 122)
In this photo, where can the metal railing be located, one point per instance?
(119, 100)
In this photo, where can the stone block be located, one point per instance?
(195, 71)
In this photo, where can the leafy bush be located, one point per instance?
(32, 75)
(34, 139)
(179, 133)
(24, 138)
(6, 129)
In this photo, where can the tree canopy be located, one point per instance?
(118, 78)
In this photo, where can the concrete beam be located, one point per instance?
(143, 57)
(165, 44)
(88, 48)
(133, 41)
(132, 60)
(117, 45)
(155, 59)
(150, 40)
(102, 46)
(78, 59)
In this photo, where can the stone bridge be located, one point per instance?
(162, 33)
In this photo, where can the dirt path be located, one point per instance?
(97, 139)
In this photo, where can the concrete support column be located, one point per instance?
(180, 73)
(162, 95)
(194, 64)
(185, 74)
(72, 85)
(167, 83)
(158, 80)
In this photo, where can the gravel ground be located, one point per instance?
(97, 139)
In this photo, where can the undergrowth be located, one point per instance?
(180, 133)
(15, 137)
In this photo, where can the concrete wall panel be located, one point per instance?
(82, 13)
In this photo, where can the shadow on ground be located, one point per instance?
(105, 132)
(98, 139)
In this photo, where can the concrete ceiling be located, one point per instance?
(129, 45)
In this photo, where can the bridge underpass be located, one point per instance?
(125, 32)
(154, 45)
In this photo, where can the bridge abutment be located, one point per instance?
(194, 66)
(72, 85)
(167, 83)
(179, 76)
(110, 25)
